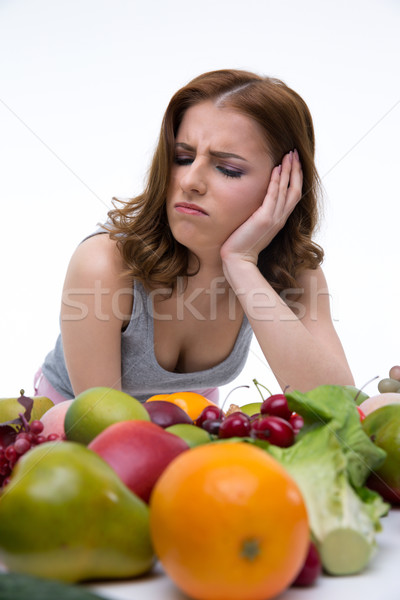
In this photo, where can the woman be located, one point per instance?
(217, 247)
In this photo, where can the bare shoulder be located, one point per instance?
(98, 258)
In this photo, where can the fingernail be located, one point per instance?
(296, 154)
(280, 169)
(291, 156)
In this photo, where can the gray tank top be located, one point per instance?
(142, 375)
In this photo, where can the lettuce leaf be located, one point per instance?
(343, 520)
(334, 407)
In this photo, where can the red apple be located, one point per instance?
(138, 451)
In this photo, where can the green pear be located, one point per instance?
(96, 408)
(66, 515)
(10, 408)
(251, 409)
(191, 434)
(383, 427)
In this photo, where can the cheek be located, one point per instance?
(249, 199)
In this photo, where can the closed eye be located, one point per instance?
(183, 160)
(229, 172)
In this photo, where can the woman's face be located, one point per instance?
(219, 177)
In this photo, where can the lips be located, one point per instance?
(190, 209)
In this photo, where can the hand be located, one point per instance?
(284, 192)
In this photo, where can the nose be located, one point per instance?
(193, 179)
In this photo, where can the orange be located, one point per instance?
(191, 402)
(158, 397)
(229, 523)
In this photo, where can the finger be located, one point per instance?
(296, 181)
(273, 187)
(284, 182)
(286, 170)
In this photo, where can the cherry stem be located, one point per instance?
(235, 388)
(258, 385)
(365, 385)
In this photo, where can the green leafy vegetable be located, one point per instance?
(343, 520)
(23, 587)
(334, 407)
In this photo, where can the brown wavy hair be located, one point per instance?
(140, 225)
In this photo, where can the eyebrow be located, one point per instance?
(212, 152)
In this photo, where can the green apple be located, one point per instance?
(96, 408)
(10, 408)
(251, 409)
(191, 434)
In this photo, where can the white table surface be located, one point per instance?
(380, 581)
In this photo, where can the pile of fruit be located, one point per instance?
(233, 504)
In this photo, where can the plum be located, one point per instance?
(165, 414)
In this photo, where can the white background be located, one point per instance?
(83, 87)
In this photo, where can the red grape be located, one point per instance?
(36, 427)
(40, 439)
(10, 453)
(22, 445)
(24, 435)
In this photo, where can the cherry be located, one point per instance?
(275, 430)
(311, 570)
(212, 426)
(277, 406)
(254, 417)
(296, 422)
(209, 412)
(236, 424)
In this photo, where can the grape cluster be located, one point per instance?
(391, 383)
(18, 436)
(12, 448)
(274, 423)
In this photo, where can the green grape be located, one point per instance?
(388, 385)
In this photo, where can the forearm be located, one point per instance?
(297, 355)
